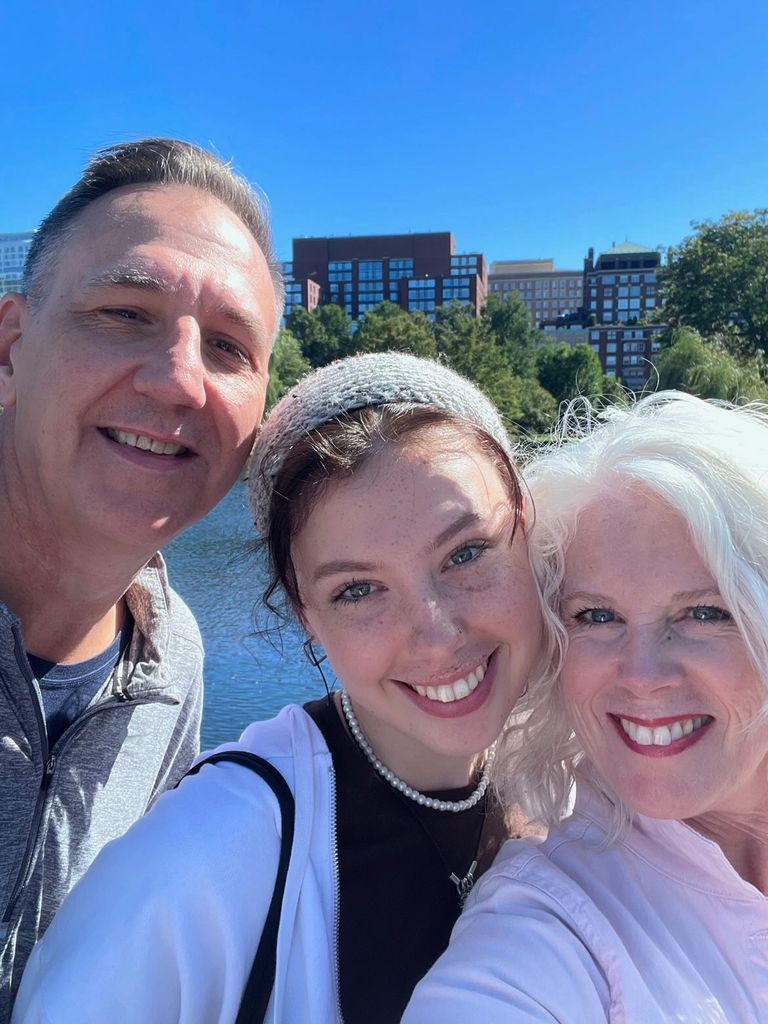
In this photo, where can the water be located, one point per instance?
(216, 569)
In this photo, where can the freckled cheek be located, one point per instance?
(355, 647)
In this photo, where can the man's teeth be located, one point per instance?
(454, 691)
(146, 444)
(663, 735)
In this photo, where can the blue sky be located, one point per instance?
(528, 129)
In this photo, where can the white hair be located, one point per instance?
(706, 460)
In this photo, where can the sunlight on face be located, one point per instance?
(657, 679)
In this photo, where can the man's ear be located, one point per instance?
(13, 310)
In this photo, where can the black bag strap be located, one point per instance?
(261, 980)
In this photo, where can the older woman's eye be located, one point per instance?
(594, 616)
(709, 613)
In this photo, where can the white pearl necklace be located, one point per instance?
(403, 787)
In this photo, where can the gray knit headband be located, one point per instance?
(386, 378)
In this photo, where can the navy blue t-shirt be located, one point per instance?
(67, 690)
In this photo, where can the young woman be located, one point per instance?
(384, 489)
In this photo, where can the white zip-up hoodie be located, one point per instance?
(165, 925)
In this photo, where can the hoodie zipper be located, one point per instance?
(337, 896)
(50, 760)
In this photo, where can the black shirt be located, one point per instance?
(397, 901)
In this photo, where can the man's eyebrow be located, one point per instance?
(239, 318)
(144, 280)
(131, 277)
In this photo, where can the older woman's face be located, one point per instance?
(657, 679)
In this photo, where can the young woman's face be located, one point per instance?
(423, 601)
(657, 679)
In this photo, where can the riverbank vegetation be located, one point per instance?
(715, 302)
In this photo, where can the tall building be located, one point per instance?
(416, 272)
(621, 291)
(13, 252)
(548, 293)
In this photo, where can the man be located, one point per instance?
(133, 373)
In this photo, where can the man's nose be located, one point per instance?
(173, 370)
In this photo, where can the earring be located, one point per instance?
(311, 656)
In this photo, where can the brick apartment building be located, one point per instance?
(416, 272)
(620, 294)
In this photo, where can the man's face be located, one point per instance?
(134, 388)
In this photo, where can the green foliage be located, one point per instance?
(338, 326)
(390, 328)
(470, 346)
(716, 281)
(567, 372)
(286, 366)
(537, 408)
(707, 369)
(509, 320)
(324, 335)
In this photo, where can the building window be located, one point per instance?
(370, 270)
(420, 284)
(343, 265)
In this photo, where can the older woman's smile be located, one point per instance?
(661, 737)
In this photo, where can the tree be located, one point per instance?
(320, 341)
(286, 366)
(469, 345)
(567, 372)
(510, 322)
(338, 327)
(716, 281)
(707, 369)
(538, 408)
(390, 328)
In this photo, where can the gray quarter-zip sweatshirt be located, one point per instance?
(60, 806)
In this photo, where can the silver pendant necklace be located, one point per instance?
(463, 885)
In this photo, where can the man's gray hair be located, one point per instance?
(149, 162)
(706, 460)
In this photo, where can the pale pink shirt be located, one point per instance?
(656, 927)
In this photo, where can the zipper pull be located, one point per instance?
(50, 765)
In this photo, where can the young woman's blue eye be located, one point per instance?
(709, 613)
(467, 553)
(595, 616)
(354, 592)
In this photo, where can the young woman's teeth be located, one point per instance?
(146, 444)
(663, 735)
(454, 691)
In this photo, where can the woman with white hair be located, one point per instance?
(647, 901)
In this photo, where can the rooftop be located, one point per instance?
(626, 248)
